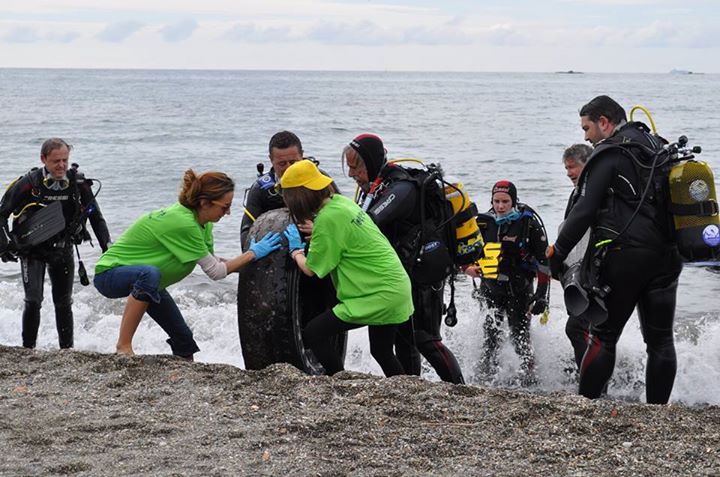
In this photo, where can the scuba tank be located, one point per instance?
(467, 233)
(692, 200)
(693, 204)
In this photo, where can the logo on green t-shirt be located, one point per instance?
(359, 219)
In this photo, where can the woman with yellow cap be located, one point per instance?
(372, 287)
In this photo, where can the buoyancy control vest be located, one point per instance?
(441, 232)
(53, 218)
(635, 208)
(671, 195)
(515, 254)
(438, 234)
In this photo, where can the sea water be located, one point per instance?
(138, 131)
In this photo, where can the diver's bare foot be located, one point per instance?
(126, 350)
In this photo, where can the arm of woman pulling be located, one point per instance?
(218, 269)
(296, 247)
(213, 267)
(300, 259)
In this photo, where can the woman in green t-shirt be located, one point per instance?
(371, 284)
(163, 247)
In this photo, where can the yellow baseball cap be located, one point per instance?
(304, 174)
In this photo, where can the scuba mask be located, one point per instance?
(510, 217)
(55, 184)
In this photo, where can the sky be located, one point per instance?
(634, 36)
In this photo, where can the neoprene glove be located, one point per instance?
(556, 259)
(539, 306)
(293, 237)
(269, 243)
(8, 257)
(538, 299)
(6, 251)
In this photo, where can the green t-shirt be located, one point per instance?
(371, 283)
(170, 239)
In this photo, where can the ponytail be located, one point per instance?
(210, 185)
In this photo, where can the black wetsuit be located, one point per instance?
(56, 253)
(577, 328)
(395, 209)
(260, 198)
(641, 266)
(510, 295)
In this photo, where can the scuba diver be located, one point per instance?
(633, 259)
(508, 290)
(50, 207)
(392, 199)
(284, 150)
(577, 327)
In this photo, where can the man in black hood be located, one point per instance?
(391, 199)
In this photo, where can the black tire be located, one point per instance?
(275, 300)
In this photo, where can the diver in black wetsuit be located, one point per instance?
(284, 150)
(635, 260)
(54, 182)
(577, 327)
(392, 200)
(510, 293)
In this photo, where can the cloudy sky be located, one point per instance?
(445, 35)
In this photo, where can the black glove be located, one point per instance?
(538, 302)
(8, 256)
(539, 306)
(556, 267)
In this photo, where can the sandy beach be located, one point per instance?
(80, 413)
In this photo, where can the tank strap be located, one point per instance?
(469, 213)
(34, 183)
(706, 208)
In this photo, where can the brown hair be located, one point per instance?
(284, 140)
(210, 185)
(303, 202)
(604, 106)
(53, 143)
(579, 153)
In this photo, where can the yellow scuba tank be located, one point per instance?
(467, 233)
(693, 201)
(694, 206)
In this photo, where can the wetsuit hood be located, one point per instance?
(373, 153)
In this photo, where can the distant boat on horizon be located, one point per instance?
(683, 72)
(569, 72)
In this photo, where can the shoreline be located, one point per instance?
(85, 413)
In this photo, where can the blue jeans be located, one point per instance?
(143, 282)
